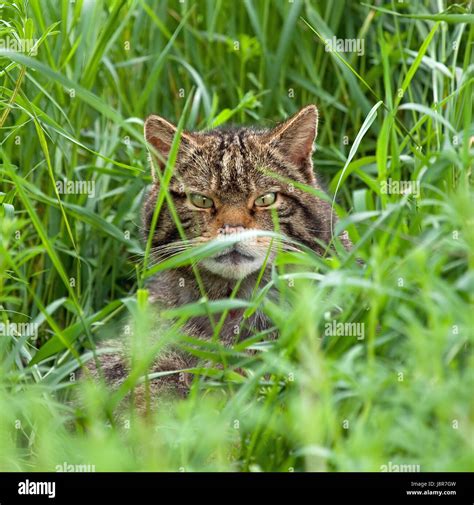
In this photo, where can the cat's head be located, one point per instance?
(226, 181)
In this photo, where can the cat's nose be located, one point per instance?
(228, 229)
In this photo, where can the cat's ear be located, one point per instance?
(295, 137)
(159, 133)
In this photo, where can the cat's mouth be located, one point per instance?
(233, 256)
(233, 263)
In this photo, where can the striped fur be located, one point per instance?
(233, 167)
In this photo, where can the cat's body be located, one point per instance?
(226, 182)
(163, 293)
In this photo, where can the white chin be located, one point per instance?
(232, 270)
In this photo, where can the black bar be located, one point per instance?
(237, 488)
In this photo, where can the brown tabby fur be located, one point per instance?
(233, 167)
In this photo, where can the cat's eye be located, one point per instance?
(265, 200)
(201, 201)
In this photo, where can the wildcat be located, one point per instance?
(225, 182)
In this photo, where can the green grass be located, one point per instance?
(71, 264)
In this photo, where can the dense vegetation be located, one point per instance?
(395, 387)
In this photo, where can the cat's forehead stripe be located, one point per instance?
(229, 164)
